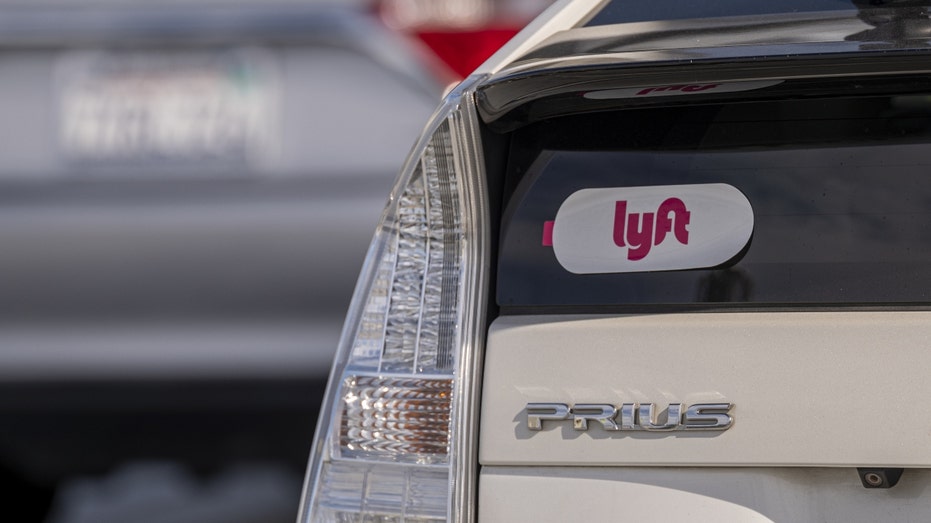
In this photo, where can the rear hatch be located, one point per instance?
(712, 290)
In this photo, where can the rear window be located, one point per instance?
(839, 191)
(624, 11)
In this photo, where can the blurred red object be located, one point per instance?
(466, 49)
(461, 33)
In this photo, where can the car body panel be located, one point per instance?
(819, 388)
(758, 495)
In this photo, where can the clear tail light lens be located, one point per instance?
(395, 438)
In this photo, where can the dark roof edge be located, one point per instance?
(781, 47)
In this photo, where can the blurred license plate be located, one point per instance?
(176, 106)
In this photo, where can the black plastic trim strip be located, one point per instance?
(511, 102)
(565, 310)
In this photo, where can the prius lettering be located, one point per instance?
(632, 416)
(639, 233)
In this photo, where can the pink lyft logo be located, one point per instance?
(639, 233)
(649, 228)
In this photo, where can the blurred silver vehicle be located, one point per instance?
(186, 193)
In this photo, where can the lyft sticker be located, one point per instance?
(640, 229)
(680, 89)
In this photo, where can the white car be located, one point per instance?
(652, 262)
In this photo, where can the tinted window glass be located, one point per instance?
(840, 191)
(624, 11)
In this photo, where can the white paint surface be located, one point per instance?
(747, 495)
(829, 389)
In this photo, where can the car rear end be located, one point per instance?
(650, 268)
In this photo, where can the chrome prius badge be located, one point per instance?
(654, 228)
(632, 416)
